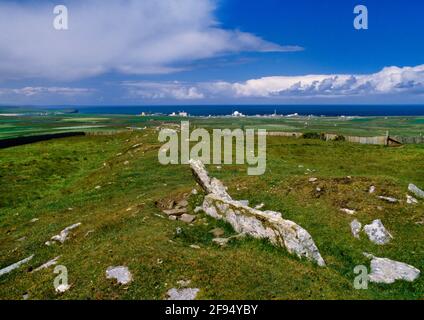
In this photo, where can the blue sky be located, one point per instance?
(148, 52)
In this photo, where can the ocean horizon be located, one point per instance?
(251, 110)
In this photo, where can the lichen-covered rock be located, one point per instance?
(268, 224)
(356, 228)
(121, 274)
(377, 233)
(387, 271)
(182, 294)
(415, 190)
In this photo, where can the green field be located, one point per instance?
(11, 127)
(56, 182)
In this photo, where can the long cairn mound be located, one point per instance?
(258, 224)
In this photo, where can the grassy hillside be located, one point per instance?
(113, 189)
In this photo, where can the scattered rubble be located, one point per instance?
(63, 234)
(15, 266)
(387, 271)
(416, 191)
(182, 294)
(121, 274)
(258, 224)
(377, 233)
(356, 228)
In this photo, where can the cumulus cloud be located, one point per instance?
(126, 36)
(390, 80)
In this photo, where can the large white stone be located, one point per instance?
(415, 190)
(121, 274)
(258, 224)
(63, 235)
(182, 294)
(377, 233)
(387, 271)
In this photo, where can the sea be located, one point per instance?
(251, 110)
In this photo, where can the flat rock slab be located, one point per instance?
(182, 294)
(388, 199)
(377, 233)
(387, 271)
(15, 266)
(121, 274)
(415, 190)
(187, 218)
(175, 212)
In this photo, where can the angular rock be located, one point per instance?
(121, 274)
(371, 189)
(15, 266)
(415, 190)
(411, 200)
(182, 294)
(187, 218)
(258, 224)
(387, 271)
(63, 235)
(377, 233)
(356, 228)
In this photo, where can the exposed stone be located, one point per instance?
(194, 246)
(48, 264)
(244, 202)
(260, 206)
(388, 199)
(173, 218)
(34, 220)
(221, 241)
(415, 190)
(175, 212)
(356, 228)
(194, 192)
(15, 266)
(377, 233)
(65, 233)
(121, 274)
(348, 211)
(313, 179)
(387, 271)
(411, 200)
(187, 218)
(258, 224)
(217, 232)
(372, 189)
(182, 203)
(198, 209)
(182, 294)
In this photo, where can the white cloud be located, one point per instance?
(390, 80)
(36, 91)
(127, 36)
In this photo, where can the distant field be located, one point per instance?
(370, 126)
